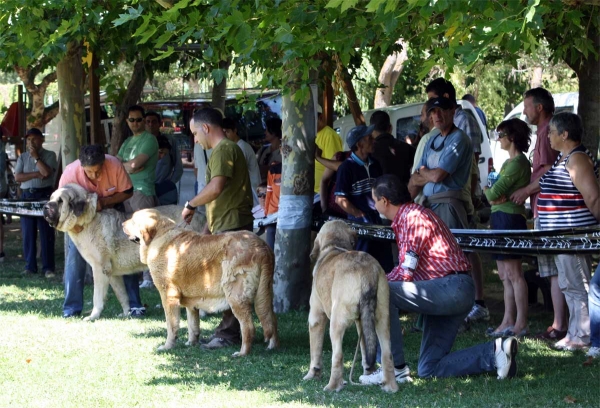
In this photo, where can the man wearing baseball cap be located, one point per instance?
(445, 167)
(355, 177)
(36, 170)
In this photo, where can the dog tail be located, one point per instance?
(368, 306)
(263, 302)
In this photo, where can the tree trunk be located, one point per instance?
(536, 77)
(38, 115)
(388, 76)
(292, 284)
(589, 101)
(132, 96)
(219, 91)
(70, 89)
(348, 86)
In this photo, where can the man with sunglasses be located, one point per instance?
(445, 167)
(139, 155)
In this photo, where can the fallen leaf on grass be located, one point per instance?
(588, 362)
(28, 360)
(569, 400)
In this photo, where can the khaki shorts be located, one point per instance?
(546, 263)
(139, 201)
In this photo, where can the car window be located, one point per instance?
(561, 109)
(408, 127)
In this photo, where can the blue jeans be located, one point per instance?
(594, 307)
(444, 303)
(74, 278)
(29, 229)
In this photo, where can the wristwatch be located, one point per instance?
(36, 160)
(189, 207)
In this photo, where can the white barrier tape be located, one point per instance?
(295, 212)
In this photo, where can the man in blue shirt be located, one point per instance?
(355, 177)
(445, 167)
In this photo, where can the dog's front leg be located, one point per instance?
(317, 319)
(170, 301)
(193, 321)
(116, 282)
(337, 328)
(101, 283)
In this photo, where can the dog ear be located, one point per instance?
(148, 233)
(314, 254)
(78, 207)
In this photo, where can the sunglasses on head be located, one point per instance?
(138, 120)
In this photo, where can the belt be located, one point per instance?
(459, 273)
(35, 190)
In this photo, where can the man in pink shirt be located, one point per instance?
(104, 175)
(538, 110)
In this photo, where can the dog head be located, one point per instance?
(333, 233)
(69, 206)
(145, 225)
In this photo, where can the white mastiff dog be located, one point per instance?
(102, 242)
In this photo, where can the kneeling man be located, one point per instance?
(104, 175)
(432, 279)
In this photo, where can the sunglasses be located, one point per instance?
(138, 120)
(498, 135)
(261, 195)
(437, 149)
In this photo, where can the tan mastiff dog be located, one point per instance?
(211, 273)
(348, 287)
(101, 242)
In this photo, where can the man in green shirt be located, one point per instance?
(139, 154)
(227, 197)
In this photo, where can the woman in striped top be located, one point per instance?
(570, 197)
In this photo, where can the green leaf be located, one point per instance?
(164, 54)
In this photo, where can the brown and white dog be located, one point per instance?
(211, 273)
(101, 242)
(348, 287)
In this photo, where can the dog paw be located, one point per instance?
(313, 373)
(164, 347)
(335, 386)
(191, 343)
(392, 387)
(90, 318)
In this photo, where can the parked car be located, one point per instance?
(405, 123)
(563, 102)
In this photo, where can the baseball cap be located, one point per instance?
(442, 103)
(35, 132)
(357, 133)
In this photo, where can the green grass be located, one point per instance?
(46, 361)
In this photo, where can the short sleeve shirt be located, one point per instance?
(201, 158)
(330, 143)
(114, 179)
(26, 164)
(145, 143)
(466, 122)
(543, 155)
(233, 207)
(252, 163)
(355, 179)
(452, 153)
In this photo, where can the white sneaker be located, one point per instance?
(146, 284)
(593, 352)
(376, 377)
(504, 354)
(477, 313)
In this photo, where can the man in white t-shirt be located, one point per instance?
(201, 157)
(230, 129)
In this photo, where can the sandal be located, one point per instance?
(551, 334)
(496, 334)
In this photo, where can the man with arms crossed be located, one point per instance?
(227, 197)
(104, 175)
(139, 154)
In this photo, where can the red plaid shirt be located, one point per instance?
(419, 230)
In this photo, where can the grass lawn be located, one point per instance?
(46, 361)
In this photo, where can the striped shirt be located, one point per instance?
(354, 181)
(560, 204)
(419, 230)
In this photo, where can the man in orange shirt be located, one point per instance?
(104, 175)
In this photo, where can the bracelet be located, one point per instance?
(189, 207)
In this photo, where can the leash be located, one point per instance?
(354, 360)
(184, 223)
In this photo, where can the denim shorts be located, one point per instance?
(505, 221)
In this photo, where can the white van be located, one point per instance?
(405, 121)
(564, 102)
